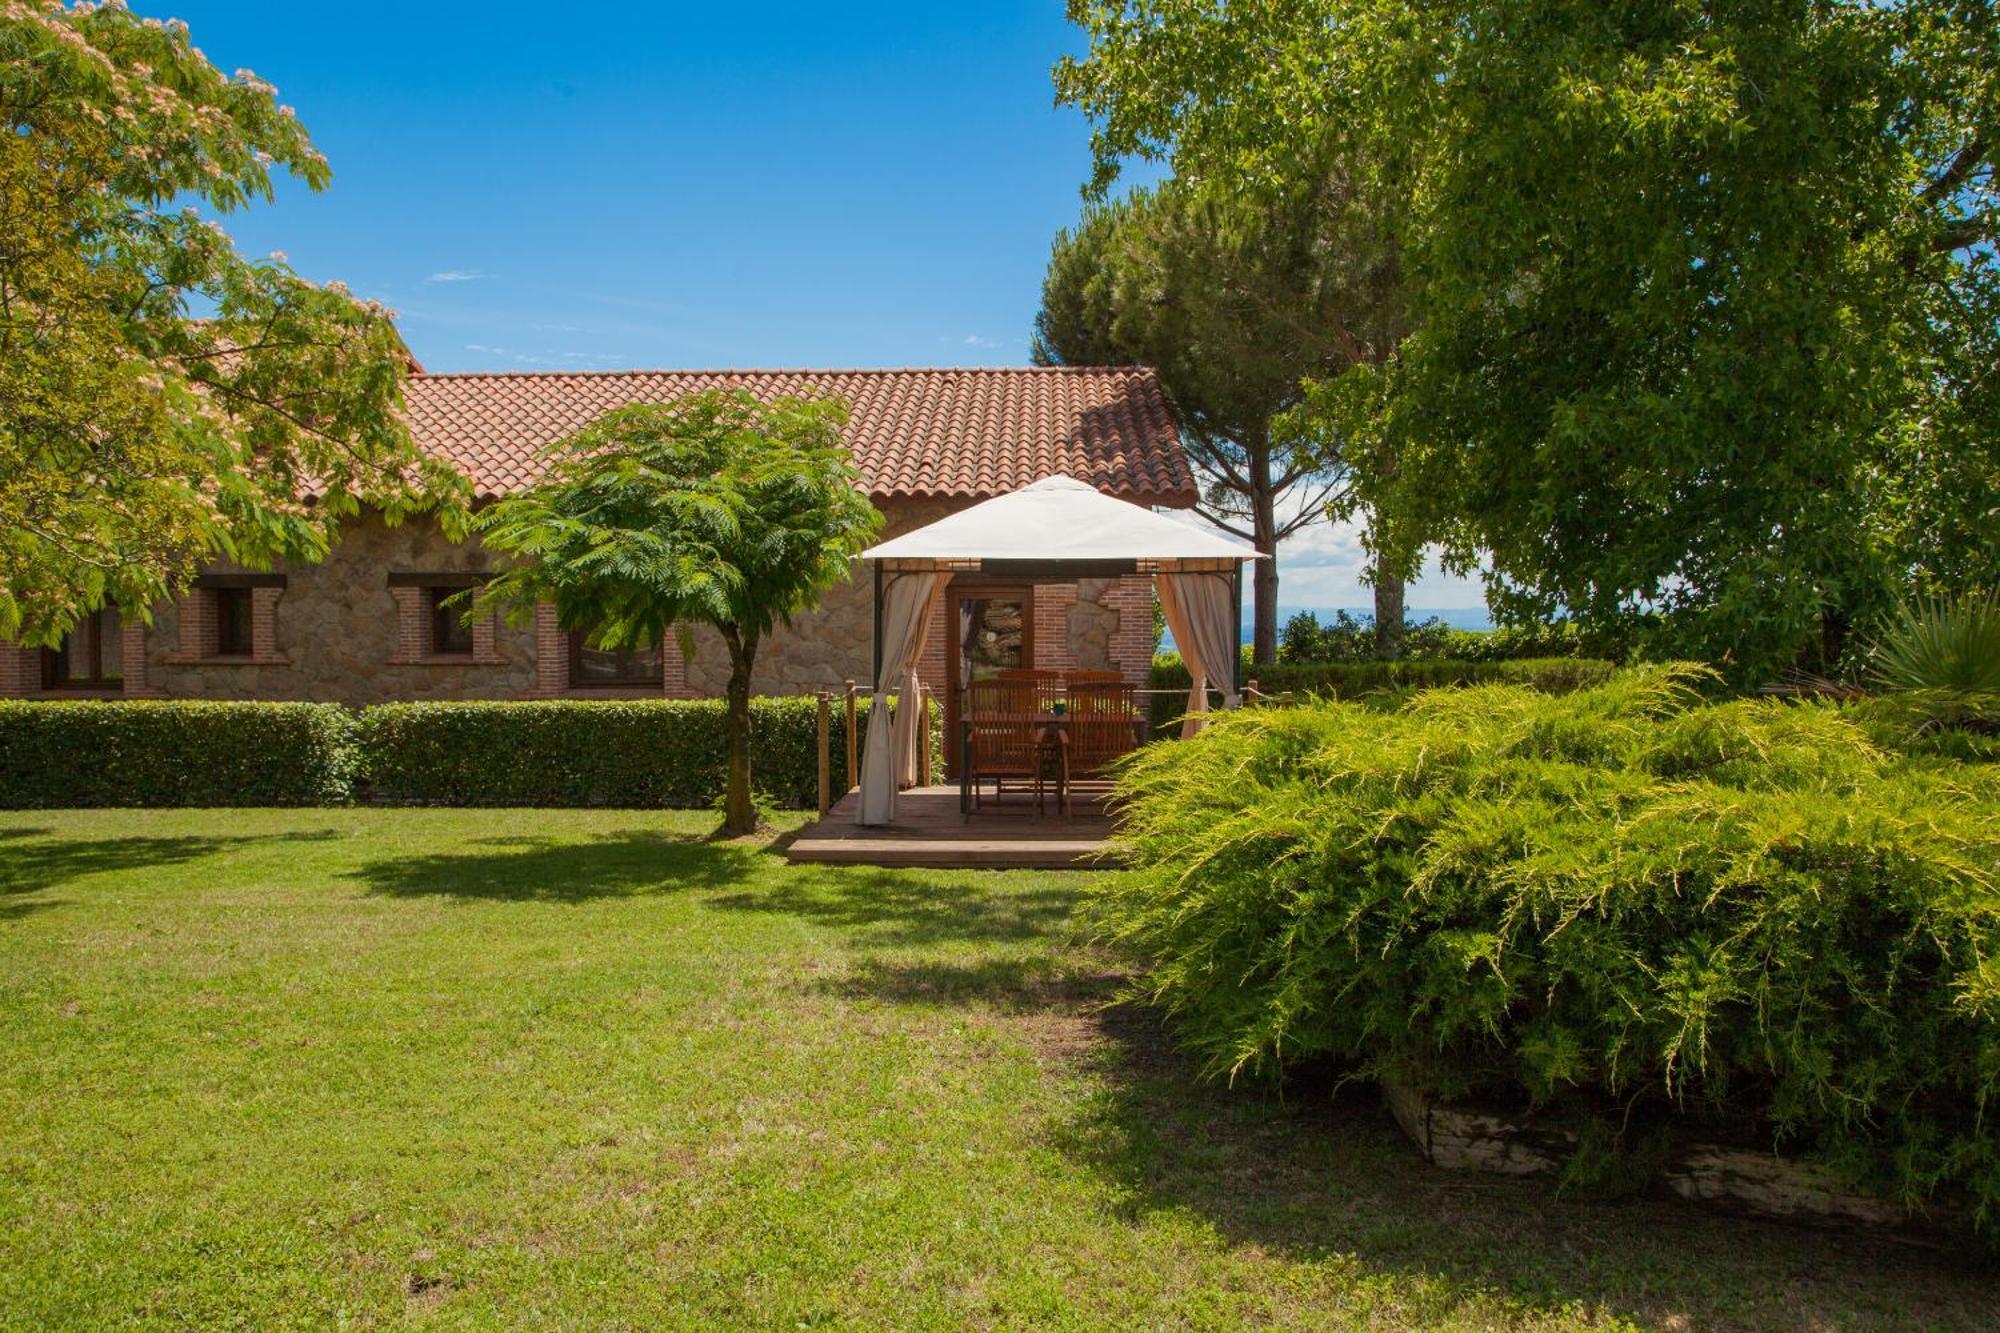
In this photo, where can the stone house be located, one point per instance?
(364, 626)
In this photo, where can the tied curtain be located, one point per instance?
(889, 759)
(1200, 609)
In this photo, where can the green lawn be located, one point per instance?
(583, 1068)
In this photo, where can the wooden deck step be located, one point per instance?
(929, 832)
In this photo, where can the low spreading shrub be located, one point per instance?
(1349, 680)
(147, 752)
(558, 752)
(1770, 916)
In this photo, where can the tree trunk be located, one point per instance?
(739, 811)
(1389, 613)
(1264, 581)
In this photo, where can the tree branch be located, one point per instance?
(1963, 163)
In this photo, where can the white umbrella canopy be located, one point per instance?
(1057, 519)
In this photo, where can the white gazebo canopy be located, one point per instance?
(1059, 520)
(1058, 528)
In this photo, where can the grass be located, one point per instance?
(484, 1068)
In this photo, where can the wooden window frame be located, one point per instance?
(450, 635)
(53, 659)
(656, 681)
(235, 622)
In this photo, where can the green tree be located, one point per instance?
(164, 401)
(716, 509)
(1235, 300)
(1706, 292)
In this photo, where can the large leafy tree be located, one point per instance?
(715, 509)
(163, 400)
(1236, 299)
(1705, 292)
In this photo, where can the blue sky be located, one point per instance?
(789, 184)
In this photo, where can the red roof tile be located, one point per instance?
(957, 434)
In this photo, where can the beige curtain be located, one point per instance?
(889, 759)
(1201, 611)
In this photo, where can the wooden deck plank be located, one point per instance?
(929, 832)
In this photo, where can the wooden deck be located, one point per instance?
(929, 831)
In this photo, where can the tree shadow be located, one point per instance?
(550, 870)
(1321, 1174)
(891, 908)
(33, 862)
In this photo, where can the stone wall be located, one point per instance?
(335, 627)
(339, 632)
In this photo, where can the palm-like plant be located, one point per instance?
(1945, 654)
(716, 509)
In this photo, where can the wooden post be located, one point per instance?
(924, 737)
(853, 740)
(1250, 692)
(825, 755)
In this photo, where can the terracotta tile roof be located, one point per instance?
(958, 434)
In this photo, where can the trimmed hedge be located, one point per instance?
(642, 752)
(1349, 680)
(1633, 907)
(174, 752)
(558, 752)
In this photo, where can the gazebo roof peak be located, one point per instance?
(1058, 519)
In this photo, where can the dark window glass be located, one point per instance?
(232, 622)
(90, 657)
(607, 668)
(450, 635)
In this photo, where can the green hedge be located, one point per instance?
(1348, 680)
(649, 752)
(641, 752)
(87, 753)
(1660, 914)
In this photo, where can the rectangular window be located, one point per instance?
(612, 668)
(233, 637)
(91, 657)
(450, 635)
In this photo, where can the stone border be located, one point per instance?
(1733, 1180)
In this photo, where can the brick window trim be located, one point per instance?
(412, 595)
(21, 672)
(197, 646)
(552, 649)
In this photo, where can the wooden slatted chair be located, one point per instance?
(1104, 723)
(1004, 738)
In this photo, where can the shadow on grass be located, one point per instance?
(1327, 1178)
(551, 870)
(888, 907)
(32, 862)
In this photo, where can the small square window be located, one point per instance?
(91, 656)
(612, 668)
(233, 636)
(450, 635)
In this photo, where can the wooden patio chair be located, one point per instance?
(1048, 684)
(1104, 725)
(1093, 677)
(1004, 738)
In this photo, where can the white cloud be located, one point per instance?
(974, 340)
(457, 275)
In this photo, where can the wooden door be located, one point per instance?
(988, 628)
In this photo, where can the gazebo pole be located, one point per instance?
(1236, 630)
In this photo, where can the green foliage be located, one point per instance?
(1748, 910)
(137, 440)
(1353, 680)
(581, 752)
(1350, 638)
(1945, 653)
(1234, 299)
(1709, 298)
(717, 509)
(639, 753)
(61, 754)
